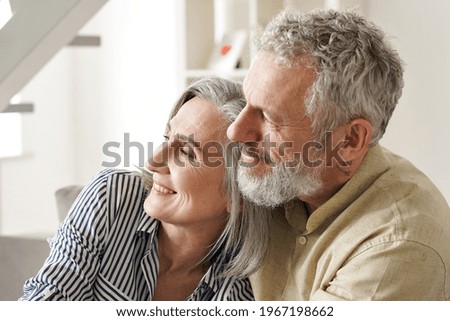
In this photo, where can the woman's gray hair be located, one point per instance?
(358, 75)
(246, 234)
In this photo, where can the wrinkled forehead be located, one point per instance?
(269, 83)
(199, 119)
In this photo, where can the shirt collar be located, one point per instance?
(209, 285)
(147, 225)
(211, 281)
(373, 165)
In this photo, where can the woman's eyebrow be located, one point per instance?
(184, 138)
(189, 139)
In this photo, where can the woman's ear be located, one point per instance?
(357, 135)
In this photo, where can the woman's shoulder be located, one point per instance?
(117, 179)
(114, 173)
(109, 189)
(111, 197)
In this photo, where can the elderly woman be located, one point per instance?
(180, 231)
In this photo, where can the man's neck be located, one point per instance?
(333, 179)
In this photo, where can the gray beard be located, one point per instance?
(279, 186)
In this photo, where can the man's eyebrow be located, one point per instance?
(257, 108)
(274, 117)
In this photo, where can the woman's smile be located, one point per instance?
(197, 193)
(161, 189)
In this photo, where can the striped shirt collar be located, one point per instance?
(147, 224)
(210, 283)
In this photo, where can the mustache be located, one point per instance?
(259, 154)
(251, 149)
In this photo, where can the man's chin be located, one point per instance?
(272, 186)
(255, 184)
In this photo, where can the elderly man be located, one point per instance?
(352, 220)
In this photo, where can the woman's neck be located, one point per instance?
(182, 249)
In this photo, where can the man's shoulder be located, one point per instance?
(408, 186)
(402, 204)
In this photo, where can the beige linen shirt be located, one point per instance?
(384, 236)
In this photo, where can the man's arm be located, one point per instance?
(394, 270)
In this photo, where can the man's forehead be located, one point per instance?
(267, 79)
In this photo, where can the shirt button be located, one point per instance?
(302, 240)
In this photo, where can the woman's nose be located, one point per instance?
(158, 162)
(246, 127)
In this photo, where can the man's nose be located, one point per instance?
(247, 127)
(158, 161)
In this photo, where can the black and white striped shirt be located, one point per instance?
(106, 249)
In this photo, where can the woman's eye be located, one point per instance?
(186, 152)
(166, 138)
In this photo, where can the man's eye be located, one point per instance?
(265, 118)
(263, 115)
(166, 138)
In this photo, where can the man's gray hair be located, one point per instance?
(246, 234)
(358, 75)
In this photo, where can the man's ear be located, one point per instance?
(357, 135)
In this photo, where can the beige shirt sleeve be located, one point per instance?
(399, 270)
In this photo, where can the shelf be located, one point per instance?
(19, 108)
(85, 41)
(203, 23)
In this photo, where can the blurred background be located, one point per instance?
(122, 88)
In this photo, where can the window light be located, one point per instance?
(10, 135)
(5, 12)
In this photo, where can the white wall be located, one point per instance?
(28, 182)
(419, 130)
(126, 86)
(85, 97)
